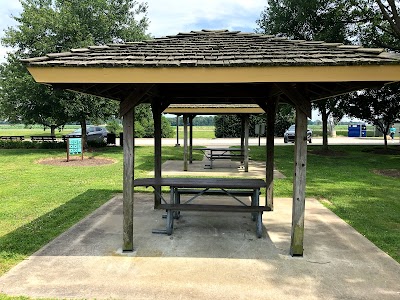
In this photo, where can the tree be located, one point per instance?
(16, 96)
(228, 126)
(378, 25)
(309, 20)
(331, 114)
(144, 123)
(378, 22)
(383, 107)
(47, 26)
(305, 19)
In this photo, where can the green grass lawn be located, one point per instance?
(199, 132)
(19, 129)
(38, 202)
(349, 187)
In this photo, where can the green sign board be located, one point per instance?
(75, 146)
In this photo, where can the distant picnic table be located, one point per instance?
(221, 153)
(12, 137)
(43, 138)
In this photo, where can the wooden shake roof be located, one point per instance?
(218, 67)
(217, 48)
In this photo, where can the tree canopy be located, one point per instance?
(380, 107)
(374, 23)
(378, 22)
(308, 20)
(47, 26)
(305, 19)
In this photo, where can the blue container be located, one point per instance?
(354, 131)
(357, 130)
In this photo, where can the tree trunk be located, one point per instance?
(53, 130)
(84, 135)
(324, 127)
(333, 132)
(386, 131)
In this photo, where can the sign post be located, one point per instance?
(74, 146)
(259, 130)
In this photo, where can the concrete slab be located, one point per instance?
(209, 256)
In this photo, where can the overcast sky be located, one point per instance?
(174, 16)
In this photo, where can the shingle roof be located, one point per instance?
(217, 48)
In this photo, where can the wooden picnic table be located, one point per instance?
(232, 187)
(43, 138)
(221, 153)
(12, 137)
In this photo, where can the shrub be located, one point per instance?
(96, 144)
(114, 126)
(32, 145)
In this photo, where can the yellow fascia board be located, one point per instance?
(216, 75)
(214, 110)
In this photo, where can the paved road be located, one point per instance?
(254, 141)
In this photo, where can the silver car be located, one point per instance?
(93, 133)
(290, 133)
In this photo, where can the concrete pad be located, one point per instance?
(222, 168)
(209, 256)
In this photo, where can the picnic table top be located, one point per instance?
(228, 183)
(218, 149)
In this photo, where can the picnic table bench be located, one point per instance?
(208, 186)
(221, 153)
(43, 138)
(12, 137)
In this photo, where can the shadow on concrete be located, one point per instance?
(196, 234)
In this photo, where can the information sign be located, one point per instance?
(74, 146)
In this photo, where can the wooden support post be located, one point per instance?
(128, 176)
(156, 108)
(185, 143)
(177, 131)
(271, 113)
(191, 117)
(242, 136)
(299, 185)
(246, 143)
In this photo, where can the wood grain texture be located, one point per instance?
(299, 185)
(128, 175)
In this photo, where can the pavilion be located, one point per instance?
(218, 67)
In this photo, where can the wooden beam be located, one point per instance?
(297, 96)
(263, 105)
(246, 143)
(177, 131)
(191, 117)
(128, 175)
(299, 185)
(156, 108)
(134, 98)
(242, 136)
(185, 143)
(242, 74)
(271, 116)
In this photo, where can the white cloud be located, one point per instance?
(171, 17)
(174, 16)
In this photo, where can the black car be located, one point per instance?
(289, 135)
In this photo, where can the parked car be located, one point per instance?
(93, 133)
(289, 134)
